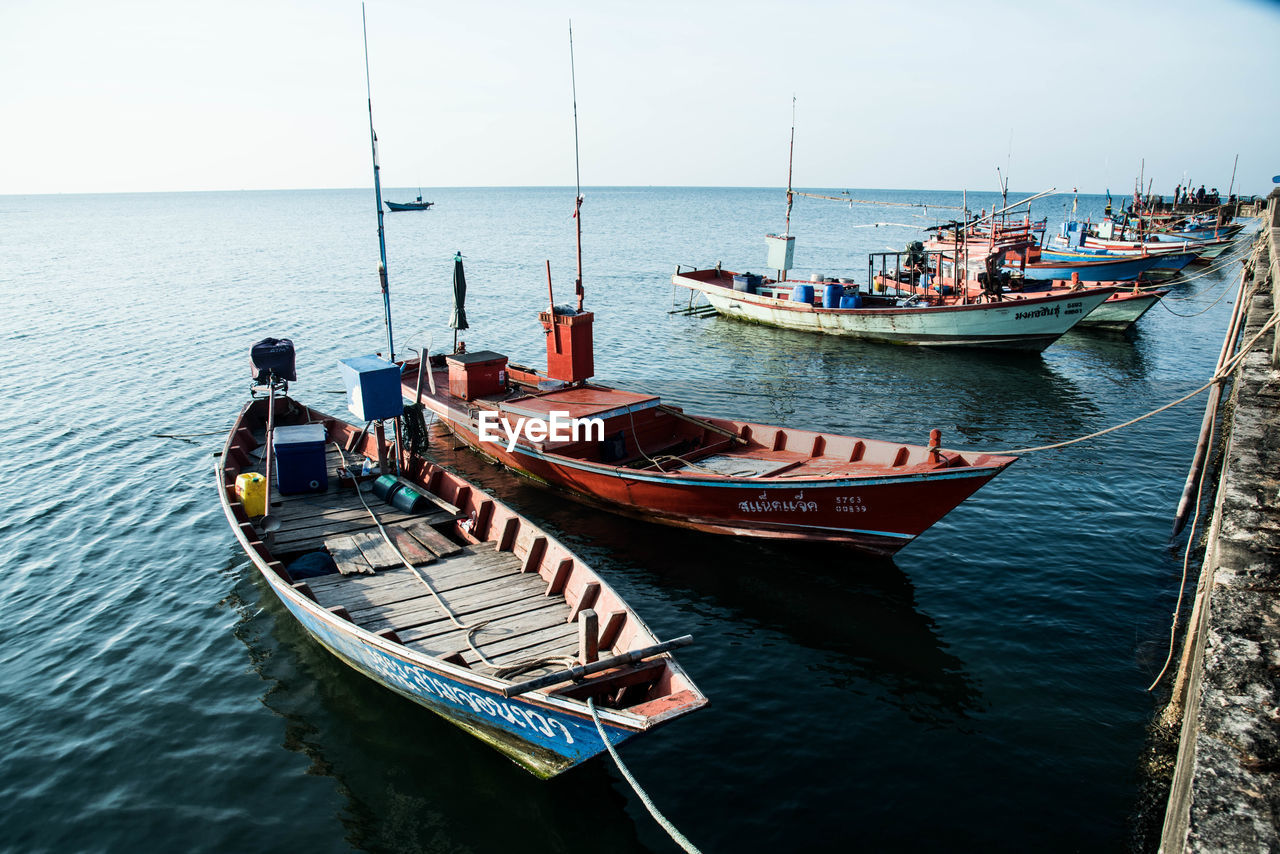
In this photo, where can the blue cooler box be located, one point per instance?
(373, 388)
(299, 458)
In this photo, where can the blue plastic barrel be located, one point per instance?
(802, 293)
(854, 301)
(831, 295)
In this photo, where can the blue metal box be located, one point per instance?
(299, 458)
(373, 388)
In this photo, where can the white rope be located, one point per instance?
(1219, 376)
(1221, 264)
(1186, 562)
(635, 786)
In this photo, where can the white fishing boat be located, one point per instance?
(1030, 323)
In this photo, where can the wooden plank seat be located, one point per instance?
(479, 585)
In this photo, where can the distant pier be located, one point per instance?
(1225, 793)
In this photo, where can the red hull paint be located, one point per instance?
(876, 507)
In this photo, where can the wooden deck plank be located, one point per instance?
(433, 539)
(467, 604)
(508, 618)
(549, 649)
(401, 604)
(505, 622)
(408, 546)
(494, 639)
(479, 559)
(520, 643)
(404, 585)
(400, 584)
(347, 555)
(376, 551)
(387, 515)
(311, 536)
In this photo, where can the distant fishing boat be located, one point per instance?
(416, 205)
(1109, 234)
(1074, 244)
(1029, 261)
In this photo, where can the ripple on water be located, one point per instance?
(991, 677)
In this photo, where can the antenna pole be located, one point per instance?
(791, 153)
(577, 173)
(1232, 186)
(377, 192)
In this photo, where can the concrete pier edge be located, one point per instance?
(1225, 792)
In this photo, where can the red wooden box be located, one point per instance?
(473, 375)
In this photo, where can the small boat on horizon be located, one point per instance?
(416, 205)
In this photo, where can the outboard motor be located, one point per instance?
(272, 357)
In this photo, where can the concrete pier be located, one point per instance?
(1225, 793)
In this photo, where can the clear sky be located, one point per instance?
(146, 95)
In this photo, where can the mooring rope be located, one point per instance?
(1225, 291)
(662, 820)
(1218, 376)
(1186, 563)
(1220, 264)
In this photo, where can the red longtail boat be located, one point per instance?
(655, 462)
(630, 453)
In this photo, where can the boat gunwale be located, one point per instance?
(981, 463)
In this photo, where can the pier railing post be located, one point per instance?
(1272, 222)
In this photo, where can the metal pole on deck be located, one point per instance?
(577, 173)
(377, 193)
(382, 240)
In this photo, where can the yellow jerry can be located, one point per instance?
(251, 489)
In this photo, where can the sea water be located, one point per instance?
(985, 690)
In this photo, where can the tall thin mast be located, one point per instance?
(577, 168)
(791, 153)
(377, 192)
(1232, 186)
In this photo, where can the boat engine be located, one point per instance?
(915, 256)
(272, 358)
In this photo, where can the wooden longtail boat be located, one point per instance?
(1033, 324)
(1118, 312)
(430, 587)
(653, 461)
(630, 453)
(451, 600)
